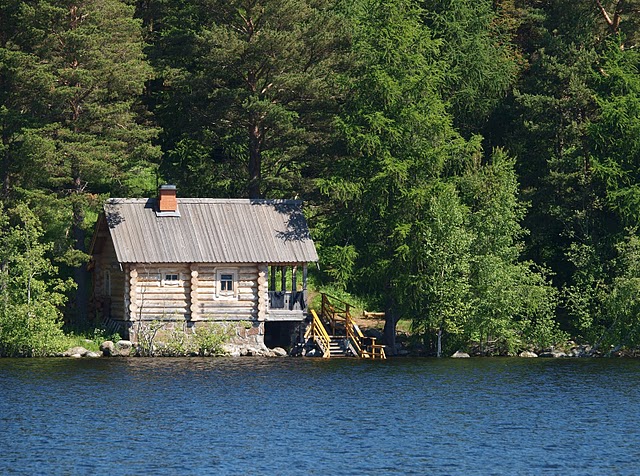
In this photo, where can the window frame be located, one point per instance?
(226, 294)
(170, 282)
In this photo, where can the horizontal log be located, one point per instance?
(241, 276)
(217, 304)
(158, 285)
(162, 310)
(236, 316)
(163, 294)
(154, 317)
(373, 315)
(162, 304)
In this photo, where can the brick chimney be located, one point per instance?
(167, 198)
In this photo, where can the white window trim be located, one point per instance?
(226, 294)
(171, 282)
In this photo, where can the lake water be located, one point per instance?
(286, 416)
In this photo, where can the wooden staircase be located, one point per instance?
(336, 333)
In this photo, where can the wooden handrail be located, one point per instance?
(319, 334)
(335, 311)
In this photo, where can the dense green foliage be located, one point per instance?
(473, 166)
(30, 318)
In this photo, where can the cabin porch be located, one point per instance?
(287, 293)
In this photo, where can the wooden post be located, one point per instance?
(273, 278)
(304, 286)
(127, 295)
(294, 279)
(294, 287)
(133, 296)
(195, 302)
(304, 277)
(263, 292)
(284, 278)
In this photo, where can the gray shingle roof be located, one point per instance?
(210, 231)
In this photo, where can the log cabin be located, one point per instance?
(184, 263)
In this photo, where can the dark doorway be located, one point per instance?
(280, 334)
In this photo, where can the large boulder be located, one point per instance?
(108, 348)
(75, 351)
(460, 355)
(279, 352)
(527, 354)
(124, 347)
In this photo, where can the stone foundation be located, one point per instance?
(240, 332)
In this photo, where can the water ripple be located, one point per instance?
(297, 416)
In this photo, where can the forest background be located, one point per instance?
(472, 166)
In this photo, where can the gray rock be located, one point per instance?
(75, 356)
(123, 348)
(312, 353)
(93, 355)
(108, 348)
(124, 344)
(297, 351)
(232, 350)
(81, 351)
(527, 354)
(582, 351)
(553, 354)
(279, 352)
(460, 355)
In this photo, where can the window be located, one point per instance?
(226, 282)
(170, 279)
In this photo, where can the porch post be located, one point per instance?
(284, 279)
(294, 287)
(304, 285)
(273, 278)
(294, 278)
(304, 277)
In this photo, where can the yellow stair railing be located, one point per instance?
(335, 313)
(319, 334)
(371, 351)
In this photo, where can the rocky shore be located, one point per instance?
(125, 348)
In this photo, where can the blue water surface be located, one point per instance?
(247, 416)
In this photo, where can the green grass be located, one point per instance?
(90, 340)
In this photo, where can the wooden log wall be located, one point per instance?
(196, 296)
(153, 298)
(108, 262)
(211, 305)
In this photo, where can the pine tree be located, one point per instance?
(254, 91)
(85, 136)
(400, 150)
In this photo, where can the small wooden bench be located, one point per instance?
(372, 315)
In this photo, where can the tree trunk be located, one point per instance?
(255, 160)
(80, 274)
(390, 322)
